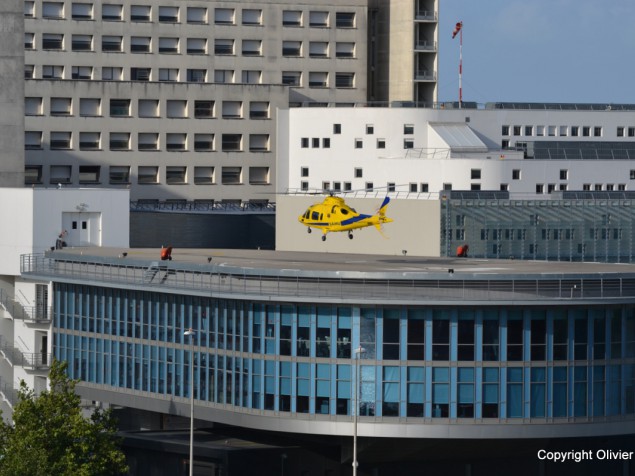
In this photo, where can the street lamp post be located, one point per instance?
(358, 354)
(190, 332)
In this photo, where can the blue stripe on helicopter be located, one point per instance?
(350, 221)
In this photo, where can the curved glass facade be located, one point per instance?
(543, 363)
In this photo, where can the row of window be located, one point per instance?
(150, 174)
(313, 79)
(148, 108)
(384, 391)
(193, 15)
(193, 46)
(413, 334)
(563, 131)
(147, 141)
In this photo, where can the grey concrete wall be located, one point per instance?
(416, 228)
(11, 93)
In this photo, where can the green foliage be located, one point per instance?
(51, 436)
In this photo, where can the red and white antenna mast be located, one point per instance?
(458, 29)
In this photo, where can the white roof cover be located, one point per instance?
(458, 136)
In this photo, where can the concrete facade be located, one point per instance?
(11, 93)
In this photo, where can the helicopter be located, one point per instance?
(334, 215)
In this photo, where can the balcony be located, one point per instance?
(425, 45)
(426, 15)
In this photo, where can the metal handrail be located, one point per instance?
(296, 284)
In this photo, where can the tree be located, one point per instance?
(50, 435)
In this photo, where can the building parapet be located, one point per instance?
(348, 286)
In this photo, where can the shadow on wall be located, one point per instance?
(152, 230)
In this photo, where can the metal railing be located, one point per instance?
(24, 313)
(346, 286)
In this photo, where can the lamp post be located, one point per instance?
(358, 354)
(190, 332)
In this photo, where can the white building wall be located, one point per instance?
(433, 163)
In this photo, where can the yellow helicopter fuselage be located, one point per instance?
(334, 215)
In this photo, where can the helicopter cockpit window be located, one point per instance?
(307, 213)
(315, 216)
(344, 211)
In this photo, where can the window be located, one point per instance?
(119, 174)
(304, 142)
(111, 12)
(516, 174)
(475, 174)
(111, 43)
(564, 174)
(359, 143)
(551, 130)
(369, 186)
(337, 128)
(408, 143)
(196, 46)
(540, 188)
(203, 142)
(224, 47)
(168, 45)
(89, 141)
(32, 140)
(224, 16)
(252, 16)
(291, 78)
(140, 44)
(203, 175)
(29, 9)
(575, 131)
(326, 143)
(82, 42)
(232, 109)
(223, 75)
(529, 131)
(259, 110)
(196, 75)
(344, 80)
(119, 141)
(89, 173)
(381, 143)
(203, 109)
(52, 41)
(168, 14)
(251, 77)
(60, 106)
(140, 13)
(408, 129)
(514, 339)
(176, 108)
(318, 19)
(60, 140)
(564, 131)
(148, 141)
(232, 142)
(517, 130)
(82, 72)
(631, 132)
(252, 48)
(505, 130)
(175, 175)
(29, 41)
(390, 186)
(315, 142)
(304, 171)
(258, 142)
(345, 20)
(291, 18)
(61, 174)
(140, 74)
(53, 10)
(318, 79)
(148, 108)
(586, 131)
(90, 107)
(259, 175)
(597, 131)
(344, 50)
(32, 174)
(231, 175)
(168, 74)
(120, 107)
(33, 106)
(440, 392)
(423, 188)
(114, 73)
(318, 49)
(291, 48)
(197, 15)
(148, 174)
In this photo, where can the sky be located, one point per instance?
(538, 50)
